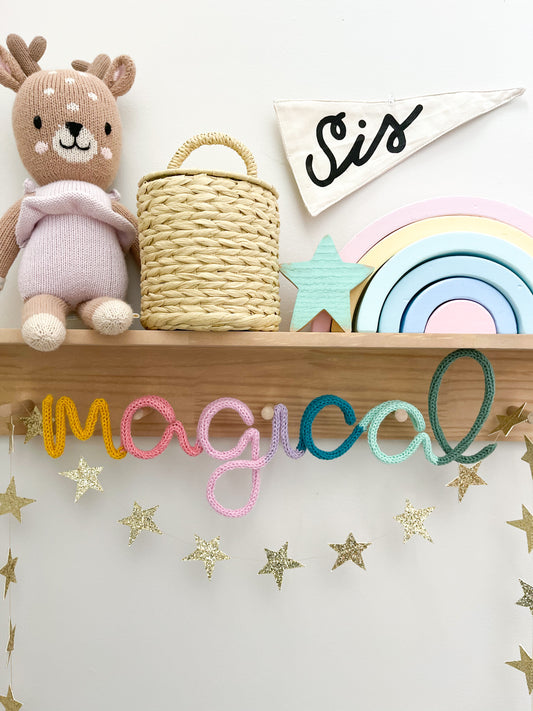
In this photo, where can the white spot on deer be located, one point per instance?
(49, 91)
(41, 147)
(106, 153)
(92, 96)
(52, 72)
(73, 107)
(70, 80)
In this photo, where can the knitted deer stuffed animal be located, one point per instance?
(72, 233)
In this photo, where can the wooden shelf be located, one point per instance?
(191, 369)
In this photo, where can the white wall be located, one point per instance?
(426, 626)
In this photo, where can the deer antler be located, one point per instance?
(37, 48)
(98, 67)
(26, 57)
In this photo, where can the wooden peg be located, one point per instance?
(511, 409)
(142, 413)
(401, 415)
(267, 413)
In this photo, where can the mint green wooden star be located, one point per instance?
(324, 283)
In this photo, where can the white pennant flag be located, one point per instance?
(336, 147)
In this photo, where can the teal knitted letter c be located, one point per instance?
(306, 426)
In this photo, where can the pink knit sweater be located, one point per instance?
(72, 242)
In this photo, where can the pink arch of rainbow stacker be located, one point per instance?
(359, 245)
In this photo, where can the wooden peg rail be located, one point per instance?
(191, 369)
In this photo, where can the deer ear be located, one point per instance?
(120, 75)
(11, 75)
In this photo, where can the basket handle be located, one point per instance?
(213, 139)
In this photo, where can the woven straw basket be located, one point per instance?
(209, 246)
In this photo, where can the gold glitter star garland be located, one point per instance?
(8, 571)
(86, 477)
(349, 550)
(528, 456)
(412, 521)
(11, 641)
(527, 598)
(8, 702)
(208, 552)
(33, 424)
(468, 476)
(525, 665)
(140, 520)
(12, 503)
(525, 524)
(278, 562)
(507, 422)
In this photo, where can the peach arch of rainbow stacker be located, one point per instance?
(493, 246)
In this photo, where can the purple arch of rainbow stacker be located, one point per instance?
(359, 245)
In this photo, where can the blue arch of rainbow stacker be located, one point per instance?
(501, 264)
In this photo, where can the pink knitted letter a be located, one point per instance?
(174, 427)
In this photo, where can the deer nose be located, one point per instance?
(74, 128)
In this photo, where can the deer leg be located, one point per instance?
(106, 315)
(43, 322)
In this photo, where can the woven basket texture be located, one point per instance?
(209, 246)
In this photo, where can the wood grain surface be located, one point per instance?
(192, 369)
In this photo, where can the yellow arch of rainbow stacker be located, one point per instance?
(394, 242)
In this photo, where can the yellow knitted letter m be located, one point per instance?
(66, 406)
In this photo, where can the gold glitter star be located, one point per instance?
(140, 520)
(278, 563)
(507, 422)
(525, 665)
(413, 521)
(527, 599)
(526, 524)
(11, 503)
(86, 477)
(33, 424)
(9, 702)
(9, 571)
(11, 643)
(467, 477)
(528, 456)
(350, 550)
(208, 552)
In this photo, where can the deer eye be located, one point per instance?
(37, 122)
(107, 129)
